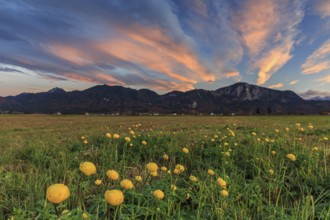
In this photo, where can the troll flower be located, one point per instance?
(271, 172)
(114, 197)
(152, 167)
(98, 182)
(116, 136)
(158, 194)
(180, 167)
(57, 193)
(224, 193)
(143, 142)
(87, 168)
(185, 150)
(127, 139)
(291, 157)
(222, 182)
(126, 184)
(210, 172)
(108, 135)
(193, 179)
(273, 152)
(173, 187)
(138, 178)
(112, 174)
(154, 174)
(164, 169)
(165, 157)
(131, 132)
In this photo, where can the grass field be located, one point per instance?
(257, 167)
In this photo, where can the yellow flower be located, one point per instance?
(154, 174)
(325, 138)
(292, 157)
(180, 167)
(114, 197)
(116, 136)
(57, 193)
(98, 182)
(185, 150)
(152, 167)
(227, 154)
(87, 168)
(315, 148)
(158, 194)
(169, 171)
(277, 131)
(287, 129)
(164, 169)
(112, 174)
(165, 157)
(173, 187)
(224, 193)
(85, 215)
(130, 144)
(193, 179)
(127, 139)
(126, 184)
(176, 171)
(273, 152)
(85, 142)
(82, 138)
(253, 134)
(138, 178)
(143, 142)
(131, 132)
(210, 172)
(222, 182)
(271, 172)
(108, 135)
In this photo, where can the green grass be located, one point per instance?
(39, 150)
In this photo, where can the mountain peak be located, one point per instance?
(56, 90)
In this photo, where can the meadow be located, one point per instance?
(164, 167)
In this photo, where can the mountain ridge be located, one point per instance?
(239, 98)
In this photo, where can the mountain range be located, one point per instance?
(240, 99)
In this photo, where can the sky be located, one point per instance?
(165, 45)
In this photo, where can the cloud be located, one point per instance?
(313, 93)
(322, 7)
(268, 29)
(319, 60)
(325, 79)
(276, 86)
(293, 82)
(6, 69)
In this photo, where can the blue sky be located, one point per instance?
(165, 45)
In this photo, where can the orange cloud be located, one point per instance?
(70, 54)
(273, 61)
(268, 29)
(256, 23)
(322, 7)
(232, 74)
(154, 50)
(294, 82)
(325, 79)
(318, 61)
(276, 86)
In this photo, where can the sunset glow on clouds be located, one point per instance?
(163, 45)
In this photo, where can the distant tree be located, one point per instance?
(258, 110)
(269, 110)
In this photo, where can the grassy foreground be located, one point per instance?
(208, 167)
